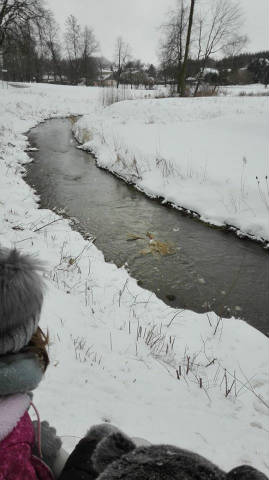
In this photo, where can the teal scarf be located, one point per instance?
(19, 373)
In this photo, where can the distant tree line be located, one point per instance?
(192, 38)
(32, 49)
(236, 69)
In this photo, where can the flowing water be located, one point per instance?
(207, 269)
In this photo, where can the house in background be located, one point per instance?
(106, 79)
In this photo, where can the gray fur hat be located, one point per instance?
(21, 298)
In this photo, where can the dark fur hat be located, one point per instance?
(106, 453)
(21, 298)
(245, 472)
(160, 462)
(116, 457)
(111, 448)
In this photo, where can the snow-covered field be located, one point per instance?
(207, 155)
(117, 352)
(250, 89)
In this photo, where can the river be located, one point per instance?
(204, 269)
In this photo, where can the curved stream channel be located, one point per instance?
(209, 269)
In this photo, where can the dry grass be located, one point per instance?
(161, 345)
(254, 94)
(166, 166)
(86, 135)
(73, 119)
(110, 95)
(208, 91)
(85, 353)
(124, 161)
(263, 189)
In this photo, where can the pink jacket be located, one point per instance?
(17, 438)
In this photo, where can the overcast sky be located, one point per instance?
(137, 21)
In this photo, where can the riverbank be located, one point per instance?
(118, 353)
(208, 156)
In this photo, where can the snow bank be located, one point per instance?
(117, 352)
(207, 155)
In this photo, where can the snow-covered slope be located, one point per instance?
(208, 155)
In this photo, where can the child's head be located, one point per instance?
(21, 298)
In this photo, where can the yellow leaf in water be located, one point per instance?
(155, 247)
(132, 236)
(145, 251)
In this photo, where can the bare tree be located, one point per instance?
(18, 12)
(74, 47)
(173, 43)
(89, 46)
(122, 55)
(20, 53)
(53, 47)
(235, 45)
(32, 50)
(14, 15)
(80, 46)
(217, 30)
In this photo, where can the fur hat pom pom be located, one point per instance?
(21, 298)
(110, 449)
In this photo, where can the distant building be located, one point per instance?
(209, 71)
(105, 78)
(50, 77)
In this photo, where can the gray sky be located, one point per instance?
(137, 22)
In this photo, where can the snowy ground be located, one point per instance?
(250, 89)
(207, 155)
(117, 352)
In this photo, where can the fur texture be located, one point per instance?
(162, 462)
(245, 472)
(107, 454)
(111, 448)
(21, 298)
(79, 465)
(99, 432)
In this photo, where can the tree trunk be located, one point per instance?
(184, 66)
(200, 76)
(178, 77)
(1, 63)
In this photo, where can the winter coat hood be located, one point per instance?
(12, 408)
